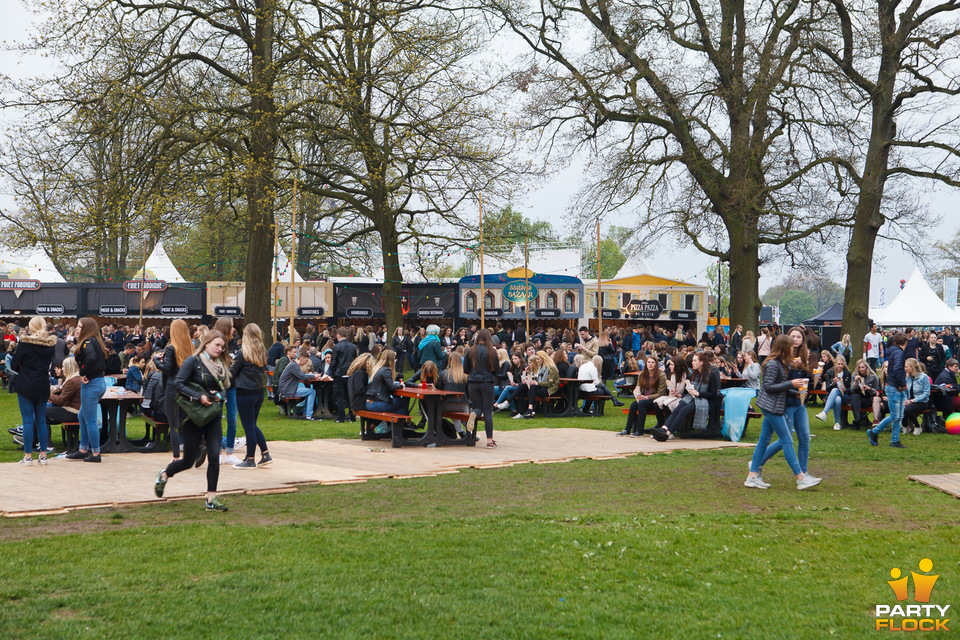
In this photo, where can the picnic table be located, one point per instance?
(114, 404)
(727, 382)
(324, 396)
(571, 391)
(431, 403)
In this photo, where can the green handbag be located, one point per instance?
(196, 412)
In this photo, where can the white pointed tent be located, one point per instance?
(31, 264)
(634, 265)
(915, 306)
(159, 267)
(281, 267)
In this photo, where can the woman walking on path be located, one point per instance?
(225, 326)
(32, 364)
(772, 401)
(91, 356)
(796, 412)
(177, 350)
(207, 369)
(481, 366)
(248, 373)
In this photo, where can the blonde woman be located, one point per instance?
(545, 382)
(382, 385)
(764, 342)
(749, 341)
(917, 394)
(177, 350)
(65, 398)
(249, 371)
(453, 378)
(32, 364)
(838, 385)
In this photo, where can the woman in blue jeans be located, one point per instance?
(382, 385)
(248, 373)
(32, 364)
(92, 360)
(225, 326)
(838, 385)
(796, 412)
(772, 401)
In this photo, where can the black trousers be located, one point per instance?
(481, 395)
(340, 396)
(637, 415)
(173, 417)
(857, 401)
(676, 420)
(911, 411)
(530, 393)
(192, 437)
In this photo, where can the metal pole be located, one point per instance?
(599, 291)
(143, 277)
(276, 276)
(526, 283)
(483, 299)
(719, 277)
(293, 262)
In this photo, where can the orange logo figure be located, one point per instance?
(922, 584)
(898, 584)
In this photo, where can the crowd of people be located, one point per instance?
(190, 376)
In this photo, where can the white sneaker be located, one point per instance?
(240, 443)
(755, 483)
(822, 416)
(27, 462)
(230, 459)
(904, 431)
(519, 415)
(808, 481)
(917, 431)
(42, 462)
(836, 426)
(500, 406)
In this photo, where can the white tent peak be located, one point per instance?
(281, 267)
(33, 264)
(916, 306)
(159, 267)
(634, 265)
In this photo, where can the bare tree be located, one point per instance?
(896, 63)
(703, 112)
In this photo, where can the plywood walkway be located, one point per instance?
(948, 483)
(127, 478)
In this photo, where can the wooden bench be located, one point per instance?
(286, 405)
(370, 419)
(161, 434)
(599, 400)
(751, 414)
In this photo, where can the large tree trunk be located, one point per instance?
(744, 275)
(259, 174)
(392, 276)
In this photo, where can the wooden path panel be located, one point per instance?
(948, 483)
(127, 478)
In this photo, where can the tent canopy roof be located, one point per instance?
(916, 306)
(833, 314)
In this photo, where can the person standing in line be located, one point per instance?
(209, 368)
(764, 343)
(248, 372)
(895, 390)
(736, 341)
(873, 346)
(92, 360)
(32, 364)
(481, 366)
(344, 353)
(913, 344)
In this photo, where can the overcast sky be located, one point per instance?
(551, 202)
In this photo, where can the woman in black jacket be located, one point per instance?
(772, 401)
(248, 372)
(209, 368)
(382, 385)
(400, 344)
(32, 364)
(177, 350)
(481, 367)
(91, 358)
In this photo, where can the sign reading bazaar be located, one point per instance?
(519, 291)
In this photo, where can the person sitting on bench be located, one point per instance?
(949, 389)
(917, 395)
(651, 384)
(380, 396)
(865, 386)
(289, 386)
(702, 388)
(545, 383)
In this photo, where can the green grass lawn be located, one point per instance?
(663, 546)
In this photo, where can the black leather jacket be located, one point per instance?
(192, 370)
(344, 353)
(246, 375)
(90, 359)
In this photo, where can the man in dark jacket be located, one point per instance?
(344, 353)
(949, 389)
(895, 390)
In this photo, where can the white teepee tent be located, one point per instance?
(159, 267)
(31, 264)
(916, 306)
(281, 267)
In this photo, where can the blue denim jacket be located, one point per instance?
(918, 388)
